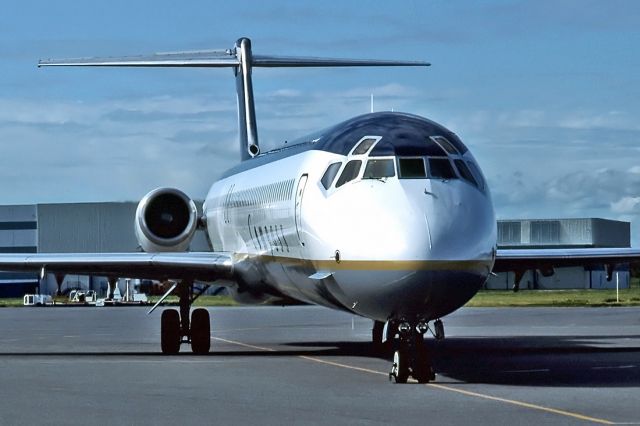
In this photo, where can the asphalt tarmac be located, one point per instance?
(309, 365)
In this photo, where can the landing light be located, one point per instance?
(404, 327)
(422, 327)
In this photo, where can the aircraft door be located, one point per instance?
(298, 215)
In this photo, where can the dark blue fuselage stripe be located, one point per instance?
(18, 226)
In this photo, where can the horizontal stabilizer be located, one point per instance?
(294, 61)
(203, 58)
(222, 58)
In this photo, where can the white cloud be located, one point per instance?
(113, 150)
(287, 93)
(626, 205)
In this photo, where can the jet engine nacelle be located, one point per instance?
(166, 220)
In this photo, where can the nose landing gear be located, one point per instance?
(411, 356)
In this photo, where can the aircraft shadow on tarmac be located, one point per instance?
(560, 361)
(555, 361)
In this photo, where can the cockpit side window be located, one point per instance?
(363, 146)
(380, 168)
(330, 174)
(465, 172)
(412, 168)
(440, 168)
(477, 174)
(349, 173)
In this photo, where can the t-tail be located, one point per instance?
(241, 59)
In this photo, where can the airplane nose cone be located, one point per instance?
(459, 222)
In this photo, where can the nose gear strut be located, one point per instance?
(411, 355)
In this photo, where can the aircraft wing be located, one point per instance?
(201, 266)
(547, 259)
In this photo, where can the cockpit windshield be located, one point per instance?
(441, 168)
(437, 157)
(330, 174)
(412, 168)
(349, 173)
(364, 146)
(379, 168)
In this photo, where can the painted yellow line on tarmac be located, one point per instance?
(438, 386)
(523, 404)
(337, 364)
(233, 342)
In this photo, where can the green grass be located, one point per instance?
(500, 298)
(171, 300)
(201, 301)
(11, 302)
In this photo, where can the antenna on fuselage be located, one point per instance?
(242, 60)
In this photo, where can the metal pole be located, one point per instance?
(617, 288)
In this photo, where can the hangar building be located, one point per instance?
(563, 233)
(69, 228)
(108, 227)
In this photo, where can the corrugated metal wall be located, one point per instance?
(564, 233)
(18, 234)
(18, 229)
(86, 228)
(92, 228)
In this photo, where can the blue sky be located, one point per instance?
(546, 94)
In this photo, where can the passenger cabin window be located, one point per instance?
(349, 173)
(440, 168)
(330, 174)
(445, 144)
(412, 168)
(363, 146)
(378, 169)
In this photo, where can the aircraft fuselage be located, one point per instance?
(401, 225)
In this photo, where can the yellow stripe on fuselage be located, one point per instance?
(371, 265)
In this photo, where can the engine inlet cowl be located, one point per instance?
(166, 220)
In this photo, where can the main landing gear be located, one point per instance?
(411, 355)
(176, 328)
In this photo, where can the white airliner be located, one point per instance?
(386, 215)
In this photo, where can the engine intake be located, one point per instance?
(166, 220)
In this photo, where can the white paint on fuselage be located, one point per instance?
(375, 225)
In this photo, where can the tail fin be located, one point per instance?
(240, 58)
